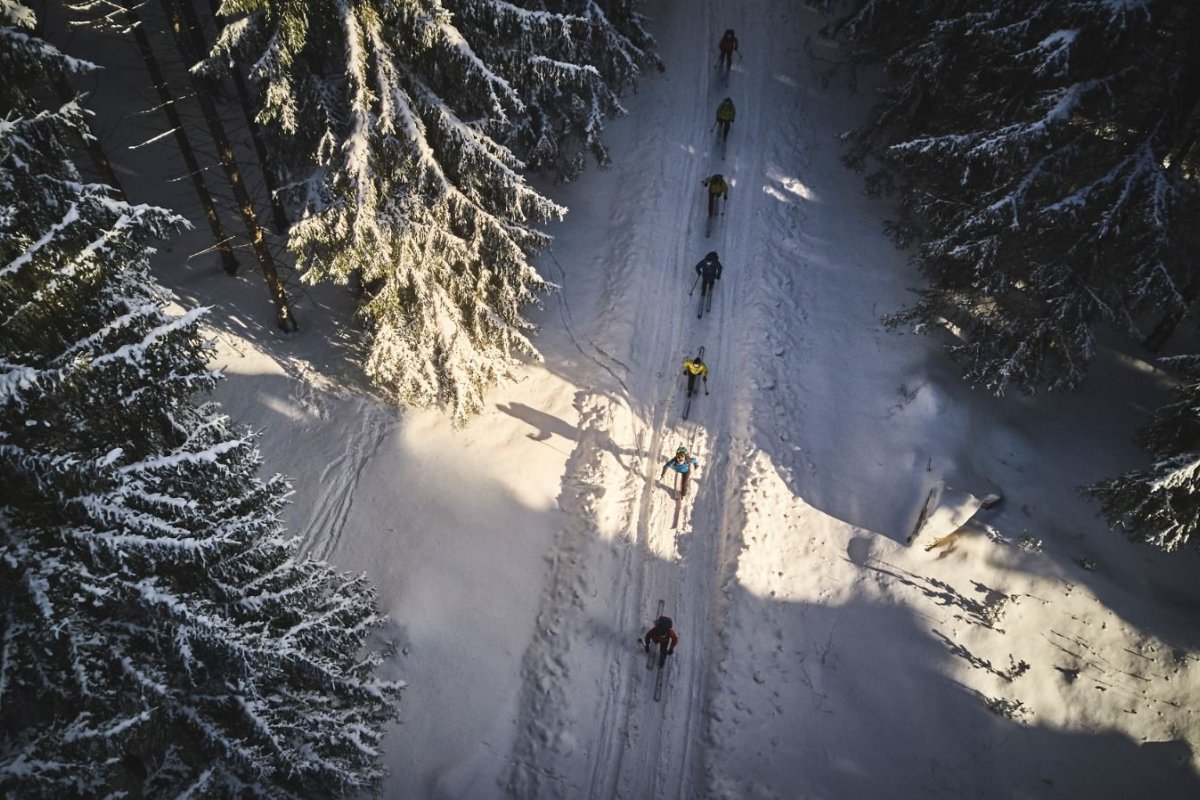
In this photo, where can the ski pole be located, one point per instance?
(694, 285)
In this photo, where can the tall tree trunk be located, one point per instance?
(1157, 338)
(95, 151)
(228, 261)
(283, 310)
(278, 212)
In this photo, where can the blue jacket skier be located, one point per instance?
(709, 270)
(681, 463)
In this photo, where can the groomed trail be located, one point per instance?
(589, 726)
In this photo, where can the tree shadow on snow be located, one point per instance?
(860, 700)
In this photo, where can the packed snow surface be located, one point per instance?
(1016, 650)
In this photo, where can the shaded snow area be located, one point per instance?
(1010, 650)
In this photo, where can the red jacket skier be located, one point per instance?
(663, 635)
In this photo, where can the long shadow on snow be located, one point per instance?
(860, 700)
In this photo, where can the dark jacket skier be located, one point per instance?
(709, 270)
(728, 46)
(663, 635)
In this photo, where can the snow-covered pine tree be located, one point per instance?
(410, 112)
(566, 61)
(158, 636)
(1046, 158)
(1161, 505)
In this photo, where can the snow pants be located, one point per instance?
(713, 197)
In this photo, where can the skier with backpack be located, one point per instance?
(708, 271)
(717, 188)
(682, 463)
(725, 116)
(663, 635)
(727, 47)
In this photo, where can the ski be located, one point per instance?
(651, 653)
(708, 302)
(687, 406)
(658, 679)
(678, 506)
(708, 226)
(723, 143)
(700, 311)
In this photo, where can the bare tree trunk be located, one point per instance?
(95, 151)
(283, 310)
(1158, 338)
(228, 261)
(278, 212)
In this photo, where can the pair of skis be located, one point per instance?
(705, 301)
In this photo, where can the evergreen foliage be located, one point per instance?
(1046, 157)
(407, 126)
(1161, 505)
(158, 636)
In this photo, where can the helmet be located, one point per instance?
(697, 360)
(729, 31)
(727, 100)
(681, 451)
(712, 255)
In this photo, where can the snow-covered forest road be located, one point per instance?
(822, 436)
(1034, 653)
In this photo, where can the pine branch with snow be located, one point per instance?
(1161, 505)
(160, 636)
(419, 143)
(1045, 155)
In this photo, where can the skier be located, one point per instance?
(709, 269)
(693, 367)
(728, 46)
(682, 463)
(717, 188)
(663, 635)
(725, 116)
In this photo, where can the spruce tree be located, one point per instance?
(158, 634)
(1046, 159)
(419, 118)
(1161, 505)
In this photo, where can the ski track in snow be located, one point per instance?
(339, 479)
(641, 748)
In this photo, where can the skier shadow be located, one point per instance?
(548, 426)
